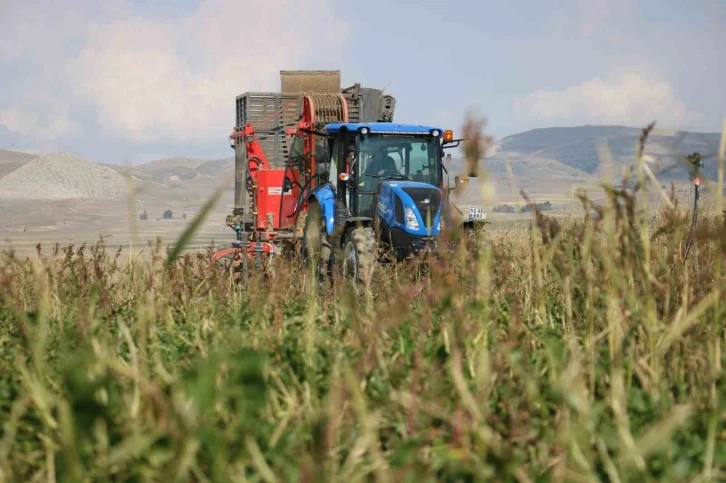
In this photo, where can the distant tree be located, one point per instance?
(546, 206)
(167, 214)
(505, 209)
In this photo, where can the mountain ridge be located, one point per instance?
(550, 158)
(578, 147)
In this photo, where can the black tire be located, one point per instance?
(359, 255)
(316, 248)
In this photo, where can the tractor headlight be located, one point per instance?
(440, 225)
(411, 220)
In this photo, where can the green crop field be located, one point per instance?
(576, 350)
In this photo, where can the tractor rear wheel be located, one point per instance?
(359, 255)
(316, 249)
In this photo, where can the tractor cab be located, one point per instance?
(364, 156)
(332, 160)
(387, 178)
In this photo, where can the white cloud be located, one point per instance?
(60, 125)
(158, 79)
(17, 119)
(155, 81)
(629, 98)
(52, 125)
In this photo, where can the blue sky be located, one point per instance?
(137, 80)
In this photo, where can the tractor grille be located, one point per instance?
(428, 209)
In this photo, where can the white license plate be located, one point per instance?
(477, 214)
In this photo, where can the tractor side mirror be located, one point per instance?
(457, 181)
(347, 179)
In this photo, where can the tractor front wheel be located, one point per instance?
(359, 255)
(316, 248)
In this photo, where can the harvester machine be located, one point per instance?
(279, 157)
(321, 170)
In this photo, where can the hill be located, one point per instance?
(61, 176)
(577, 147)
(12, 160)
(553, 160)
(545, 162)
(179, 168)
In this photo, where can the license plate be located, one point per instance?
(477, 214)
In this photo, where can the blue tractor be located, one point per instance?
(384, 200)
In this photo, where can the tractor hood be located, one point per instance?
(423, 195)
(425, 199)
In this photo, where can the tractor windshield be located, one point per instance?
(412, 158)
(395, 157)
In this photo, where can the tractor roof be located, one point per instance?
(381, 127)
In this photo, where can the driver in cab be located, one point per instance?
(382, 164)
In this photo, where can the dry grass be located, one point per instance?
(578, 350)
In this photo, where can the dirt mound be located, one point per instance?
(62, 176)
(12, 160)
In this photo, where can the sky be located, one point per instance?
(131, 81)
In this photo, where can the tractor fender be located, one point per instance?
(324, 196)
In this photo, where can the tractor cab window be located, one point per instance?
(412, 158)
(333, 178)
(422, 165)
(332, 147)
(337, 164)
(394, 157)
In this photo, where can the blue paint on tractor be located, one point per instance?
(390, 191)
(325, 197)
